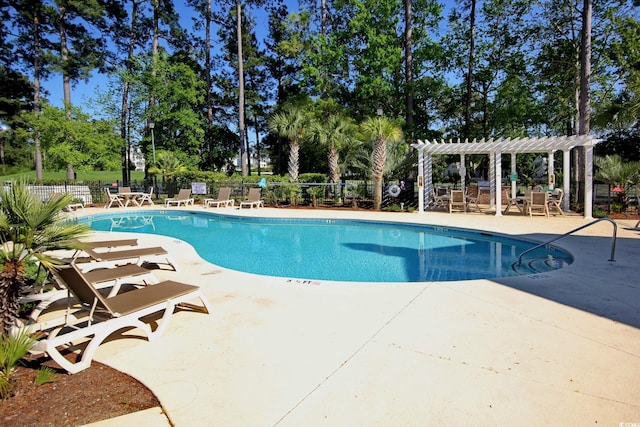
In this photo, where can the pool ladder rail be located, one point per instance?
(518, 263)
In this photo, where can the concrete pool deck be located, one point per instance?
(559, 348)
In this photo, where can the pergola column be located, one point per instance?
(498, 182)
(514, 184)
(588, 182)
(566, 179)
(551, 178)
(463, 172)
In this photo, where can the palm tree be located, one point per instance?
(613, 171)
(28, 228)
(335, 134)
(292, 124)
(381, 131)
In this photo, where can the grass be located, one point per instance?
(104, 176)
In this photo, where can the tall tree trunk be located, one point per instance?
(207, 60)
(64, 58)
(323, 17)
(124, 110)
(585, 95)
(585, 69)
(36, 86)
(379, 159)
(255, 127)
(154, 72)
(472, 44)
(408, 66)
(241, 125)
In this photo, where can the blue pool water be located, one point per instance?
(343, 250)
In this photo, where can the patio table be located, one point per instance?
(131, 197)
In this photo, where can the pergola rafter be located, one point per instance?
(495, 148)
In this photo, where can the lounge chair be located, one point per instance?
(457, 201)
(104, 316)
(146, 197)
(538, 203)
(253, 199)
(555, 201)
(71, 206)
(183, 198)
(116, 276)
(224, 199)
(95, 244)
(137, 254)
(111, 198)
(101, 278)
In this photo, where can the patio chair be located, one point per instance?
(517, 201)
(253, 199)
(224, 199)
(146, 197)
(473, 198)
(457, 201)
(104, 316)
(555, 201)
(183, 198)
(439, 200)
(111, 198)
(538, 202)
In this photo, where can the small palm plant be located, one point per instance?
(12, 349)
(167, 165)
(28, 229)
(613, 171)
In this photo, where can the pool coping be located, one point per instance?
(560, 348)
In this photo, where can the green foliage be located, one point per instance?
(312, 177)
(13, 347)
(167, 165)
(393, 208)
(81, 141)
(46, 375)
(599, 213)
(316, 193)
(291, 192)
(179, 93)
(29, 228)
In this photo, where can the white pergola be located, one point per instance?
(495, 148)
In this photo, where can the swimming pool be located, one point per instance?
(341, 250)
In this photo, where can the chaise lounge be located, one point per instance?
(253, 199)
(137, 254)
(105, 316)
(183, 198)
(224, 199)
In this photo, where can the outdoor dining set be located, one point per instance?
(531, 202)
(125, 197)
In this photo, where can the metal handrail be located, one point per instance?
(613, 238)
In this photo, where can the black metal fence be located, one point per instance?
(352, 193)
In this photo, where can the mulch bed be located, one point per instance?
(94, 394)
